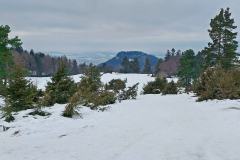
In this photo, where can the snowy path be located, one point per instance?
(153, 127)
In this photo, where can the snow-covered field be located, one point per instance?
(153, 127)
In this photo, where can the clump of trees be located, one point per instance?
(130, 66)
(214, 71)
(91, 92)
(40, 64)
(160, 85)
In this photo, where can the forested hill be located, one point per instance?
(40, 64)
(131, 62)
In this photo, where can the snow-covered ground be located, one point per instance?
(153, 127)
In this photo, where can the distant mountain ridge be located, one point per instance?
(115, 64)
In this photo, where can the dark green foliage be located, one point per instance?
(168, 55)
(20, 92)
(9, 118)
(116, 85)
(92, 93)
(6, 46)
(223, 48)
(155, 87)
(171, 88)
(187, 69)
(130, 66)
(147, 67)
(130, 93)
(103, 98)
(218, 83)
(60, 89)
(3, 89)
(89, 92)
(39, 112)
(157, 67)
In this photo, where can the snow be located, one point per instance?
(153, 127)
(1, 102)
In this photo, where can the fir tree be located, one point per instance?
(147, 67)
(222, 49)
(168, 55)
(125, 65)
(135, 66)
(6, 46)
(157, 67)
(186, 70)
(61, 87)
(20, 93)
(173, 52)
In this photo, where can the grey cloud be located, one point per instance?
(112, 25)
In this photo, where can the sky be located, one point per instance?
(88, 26)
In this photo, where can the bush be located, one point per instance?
(155, 87)
(171, 88)
(103, 98)
(92, 93)
(116, 85)
(218, 83)
(130, 93)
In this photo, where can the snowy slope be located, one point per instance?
(153, 127)
(132, 79)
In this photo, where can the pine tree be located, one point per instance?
(173, 52)
(168, 55)
(6, 46)
(20, 93)
(125, 65)
(186, 70)
(157, 67)
(147, 67)
(135, 66)
(61, 87)
(222, 49)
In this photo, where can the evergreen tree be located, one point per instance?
(157, 67)
(222, 49)
(20, 93)
(173, 52)
(135, 66)
(168, 55)
(179, 52)
(125, 65)
(61, 87)
(147, 67)
(6, 46)
(186, 70)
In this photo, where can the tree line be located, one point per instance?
(40, 64)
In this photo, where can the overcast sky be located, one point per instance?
(112, 25)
